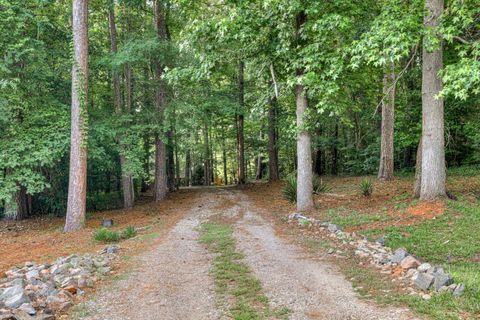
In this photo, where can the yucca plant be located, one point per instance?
(366, 187)
(290, 189)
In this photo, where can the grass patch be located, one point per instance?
(108, 236)
(452, 241)
(233, 277)
(354, 219)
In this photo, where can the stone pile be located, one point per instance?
(39, 291)
(422, 276)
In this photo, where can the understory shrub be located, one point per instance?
(106, 235)
(366, 187)
(290, 189)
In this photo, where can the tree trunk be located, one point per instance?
(160, 188)
(127, 182)
(146, 163)
(334, 169)
(188, 166)
(206, 160)
(18, 208)
(385, 171)
(418, 171)
(77, 185)
(225, 173)
(240, 119)
(272, 140)
(304, 153)
(433, 140)
(319, 156)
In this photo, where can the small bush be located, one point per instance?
(366, 187)
(106, 235)
(129, 232)
(290, 189)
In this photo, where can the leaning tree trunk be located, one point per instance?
(433, 140)
(304, 153)
(160, 187)
(240, 119)
(77, 185)
(272, 141)
(385, 171)
(127, 185)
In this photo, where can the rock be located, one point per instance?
(442, 279)
(112, 249)
(330, 251)
(107, 223)
(460, 288)
(424, 267)
(409, 262)
(426, 296)
(16, 300)
(381, 241)
(399, 255)
(103, 270)
(424, 281)
(333, 227)
(11, 291)
(27, 307)
(34, 274)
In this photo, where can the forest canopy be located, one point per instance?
(126, 97)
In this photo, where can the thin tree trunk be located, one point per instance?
(18, 208)
(385, 171)
(240, 120)
(161, 187)
(225, 173)
(188, 166)
(319, 156)
(272, 141)
(77, 185)
(334, 169)
(127, 182)
(304, 153)
(206, 160)
(418, 171)
(433, 140)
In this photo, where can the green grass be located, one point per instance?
(108, 236)
(452, 241)
(233, 278)
(354, 218)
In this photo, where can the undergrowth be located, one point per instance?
(106, 235)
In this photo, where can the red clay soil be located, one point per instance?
(427, 210)
(42, 240)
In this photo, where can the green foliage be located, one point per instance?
(129, 232)
(366, 187)
(106, 235)
(290, 188)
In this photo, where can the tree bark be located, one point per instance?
(319, 156)
(188, 166)
(127, 181)
(18, 208)
(433, 140)
(77, 185)
(206, 160)
(334, 169)
(385, 171)
(418, 171)
(225, 173)
(304, 153)
(160, 188)
(240, 125)
(272, 140)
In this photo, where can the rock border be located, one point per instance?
(40, 291)
(422, 277)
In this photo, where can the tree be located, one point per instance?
(77, 187)
(433, 140)
(161, 184)
(240, 120)
(385, 171)
(304, 153)
(127, 180)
